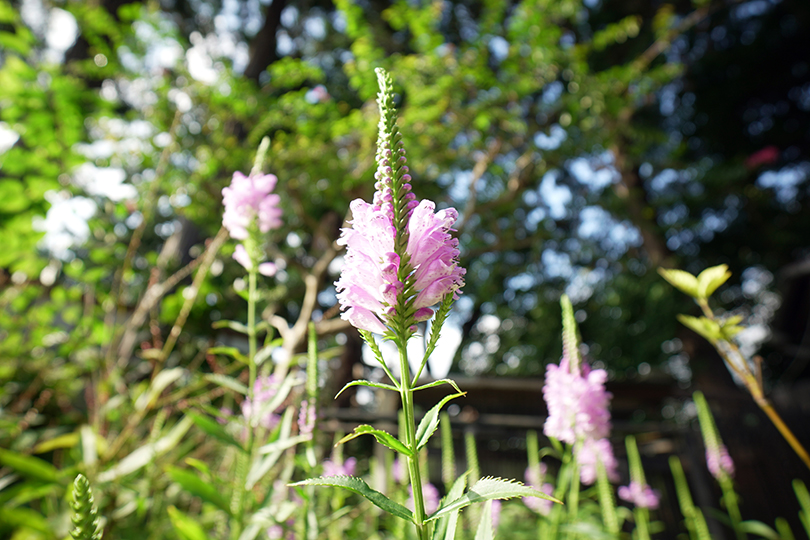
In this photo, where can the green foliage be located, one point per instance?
(359, 486)
(85, 514)
(487, 489)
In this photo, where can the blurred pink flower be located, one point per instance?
(249, 198)
(577, 403)
(496, 513)
(306, 418)
(641, 496)
(719, 462)
(330, 468)
(590, 453)
(264, 390)
(534, 478)
(430, 495)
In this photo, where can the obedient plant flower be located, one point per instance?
(590, 454)
(400, 256)
(719, 462)
(640, 495)
(306, 418)
(431, 497)
(534, 478)
(333, 468)
(251, 209)
(264, 390)
(577, 405)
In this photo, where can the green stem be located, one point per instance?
(406, 393)
(573, 497)
(237, 503)
(733, 509)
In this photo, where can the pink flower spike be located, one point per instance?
(641, 496)
(250, 198)
(267, 269)
(241, 256)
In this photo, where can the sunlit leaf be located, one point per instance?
(683, 281)
(430, 422)
(490, 488)
(711, 278)
(186, 527)
(382, 437)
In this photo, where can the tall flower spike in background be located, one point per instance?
(400, 256)
(252, 210)
(578, 404)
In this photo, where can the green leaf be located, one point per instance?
(24, 517)
(760, 529)
(213, 428)
(445, 528)
(368, 383)
(233, 352)
(283, 444)
(227, 382)
(703, 326)
(30, 466)
(199, 487)
(68, 440)
(161, 381)
(430, 422)
(147, 453)
(383, 437)
(357, 485)
(484, 531)
(711, 278)
(490, 488)
(803, 496)
(440, 382)
(186, 527)
(683, 281)
(263, 354)
(233, 325)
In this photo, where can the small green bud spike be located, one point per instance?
(85, 514)
(391, 168)
(711, 437)
(570, 339)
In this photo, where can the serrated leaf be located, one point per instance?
(233, 352)
(30, 466)
(490, 488)
(186, 527)
(213, 428)
(369, 384)
(711, 278)
(430, 422)
(198, 487)
(705, 327)
(383, 437)
(227, 382)
(683, 281)
(357, 485)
